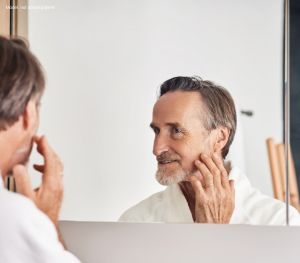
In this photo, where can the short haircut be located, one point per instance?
(21, 79)
(219, 105)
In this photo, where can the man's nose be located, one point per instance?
(160, 145)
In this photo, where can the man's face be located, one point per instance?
(24, 142)
(179, 135)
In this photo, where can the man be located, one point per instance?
(29, 219)
(194, 122)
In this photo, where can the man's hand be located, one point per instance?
(215, 193)
(48, 196)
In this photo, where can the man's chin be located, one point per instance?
(169, 179)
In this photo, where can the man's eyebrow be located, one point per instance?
(174, 124)
(171, 124)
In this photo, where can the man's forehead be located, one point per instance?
(177, 106)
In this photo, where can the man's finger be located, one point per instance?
(199, 176)
(224, 175)
(36, 138)
(214, 170)
(23, 182)
(42, 145)
(197, 186)
(53, 168)
(44, 148)
(208, 178)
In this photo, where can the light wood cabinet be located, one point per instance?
(14, 18)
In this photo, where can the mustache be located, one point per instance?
(166, 156)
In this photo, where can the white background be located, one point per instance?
(104, 62)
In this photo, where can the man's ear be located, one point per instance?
(221, 138)
(30, 116)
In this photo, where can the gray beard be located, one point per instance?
(175, 178)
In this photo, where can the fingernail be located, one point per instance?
(197, 162)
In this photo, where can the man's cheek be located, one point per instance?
(23, 153)
(188, 165)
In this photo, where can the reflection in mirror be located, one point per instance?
(105, 64)
(294, 167)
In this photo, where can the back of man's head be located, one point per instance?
(219, 105)
(21, 79)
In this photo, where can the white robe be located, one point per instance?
(27, 234)
(251, 206)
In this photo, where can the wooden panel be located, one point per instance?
(275, 170)
(4, 17)
(21, 22)
(293, 188)
(19, 15)
(278, 166)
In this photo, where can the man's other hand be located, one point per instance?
(215, 195)
(48, 196)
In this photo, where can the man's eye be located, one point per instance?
(156, 130)
(177, 131)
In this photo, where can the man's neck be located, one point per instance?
(189, 194)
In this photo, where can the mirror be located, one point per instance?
(294, 125)
(105, 62)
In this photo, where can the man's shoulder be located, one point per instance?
(144, 210)
(27, 234)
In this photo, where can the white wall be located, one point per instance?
(105, 61)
